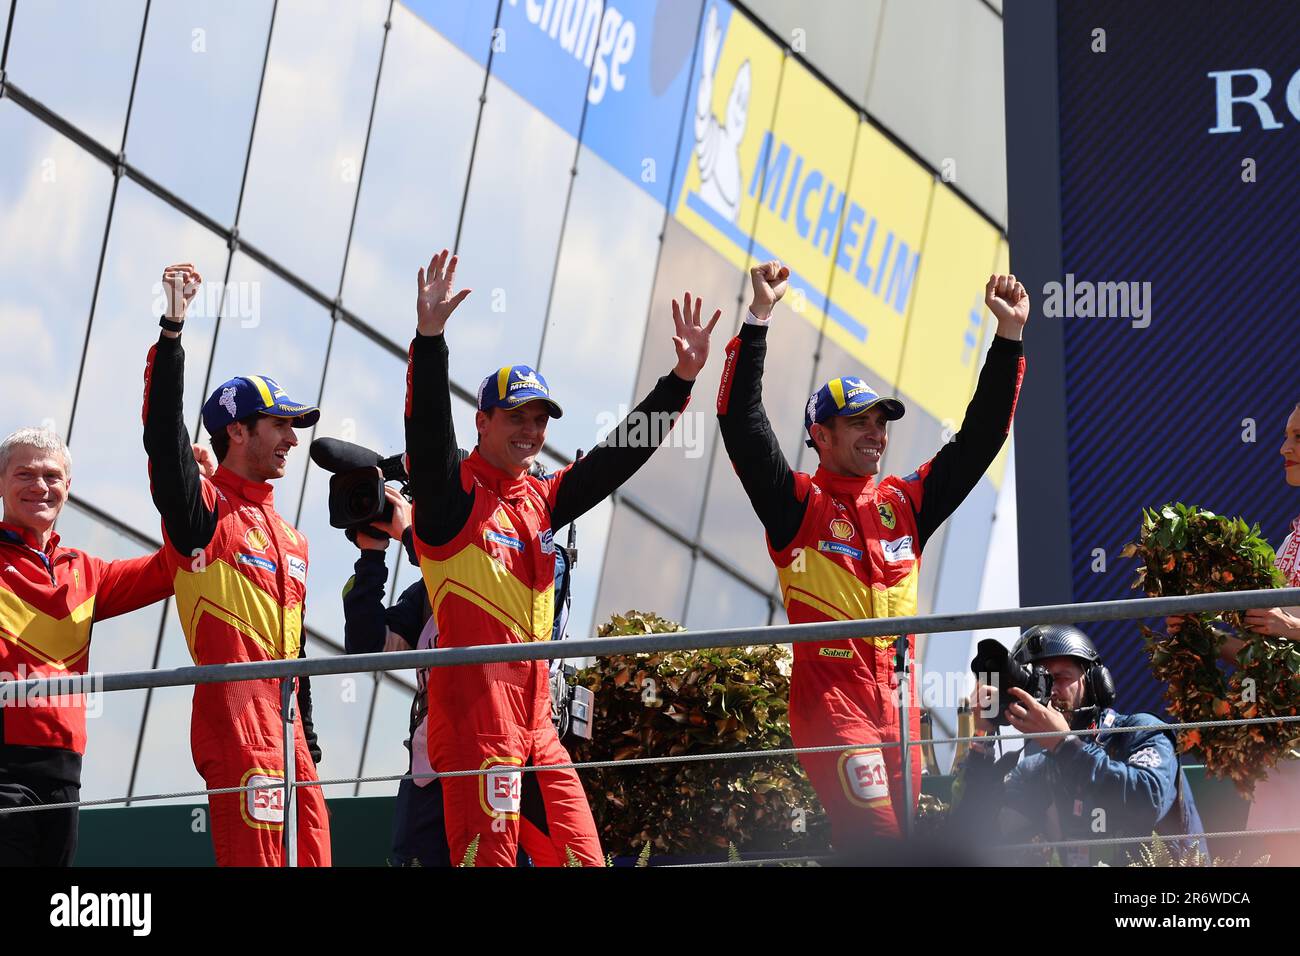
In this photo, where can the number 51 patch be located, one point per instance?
(862, 772)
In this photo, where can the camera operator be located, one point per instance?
(1108, 785)
(370, 627)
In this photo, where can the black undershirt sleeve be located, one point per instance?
(442, 505)
(960, 464)
(174, 478)
(752, 445)
(596, 476)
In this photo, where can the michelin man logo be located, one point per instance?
(811, 410)
(227, 401)
(717, 142)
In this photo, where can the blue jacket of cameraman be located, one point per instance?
(1113, 784)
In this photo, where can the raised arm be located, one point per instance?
(584, 484)
(747, 434)
(947, 478)
(174, 480)
(442, 504)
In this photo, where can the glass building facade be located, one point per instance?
(589, 160)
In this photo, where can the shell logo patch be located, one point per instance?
(503, 520)
(887, 514)
(842, 529)
(257, 539)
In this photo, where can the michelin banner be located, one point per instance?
(694, 104)
(778, 166)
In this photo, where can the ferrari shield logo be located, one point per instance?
(887, 515)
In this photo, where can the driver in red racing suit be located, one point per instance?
(240, 575)
(848, 547)
(484, 536)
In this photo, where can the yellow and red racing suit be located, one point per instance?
(239, 571)
(485, 543)
(849, 548)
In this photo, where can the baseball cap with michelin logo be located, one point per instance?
(843, 397)
(513, 386)
(239, 398)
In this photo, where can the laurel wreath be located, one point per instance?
(1188, 550)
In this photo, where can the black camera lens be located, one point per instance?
(361, 501)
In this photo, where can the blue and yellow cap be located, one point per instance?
(239, 398)
(513, 386)
(845, 396)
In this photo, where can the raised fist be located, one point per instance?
(180, 284)
(770, 281)
(1009, 302)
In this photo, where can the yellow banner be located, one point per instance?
(798, 187)
(946, 328)
(730, 108)
(879, 252)
(888, 262)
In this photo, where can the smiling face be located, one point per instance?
(852, 445)
(34, 487)
(259, 449)
(511, 438)
(1291, 449)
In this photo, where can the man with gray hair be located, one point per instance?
(49, 597)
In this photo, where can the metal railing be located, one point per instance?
(288, 670)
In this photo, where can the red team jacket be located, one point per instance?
(48, 599)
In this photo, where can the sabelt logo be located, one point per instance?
(842, 653)
(257, 539)
(842, 529)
